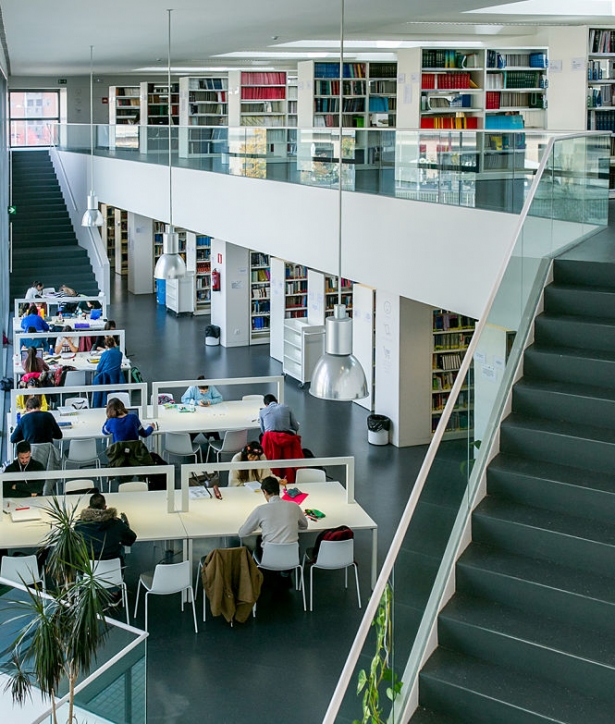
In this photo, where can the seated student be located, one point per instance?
(104, 532)
(35, 291)
(31, 385)
(32, 319)
(99, 342)
(251, 453)
(32, 361)
(123, 425)
(202, 396)
(89, 304)
(108, 370)
(36, 342)
(66, 291)
(67, 345)
(23, 464)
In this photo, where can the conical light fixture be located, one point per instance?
(170, 265)
(338, 374)
(92, 216)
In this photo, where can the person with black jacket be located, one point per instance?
(103, 531)
(24, 463)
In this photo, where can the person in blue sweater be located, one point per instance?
(202, 396)
(108, 370)
(32, 319)
(123, 425)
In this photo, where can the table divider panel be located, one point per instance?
(59, 301)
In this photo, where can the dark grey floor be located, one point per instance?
(284, 665)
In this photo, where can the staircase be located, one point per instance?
(44, 243)
(529, 635)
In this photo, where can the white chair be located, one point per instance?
(134, 486)
(74, 378)
(334, 555)
(255, 398)
(167, 579)
(123, 397)
(310, 475)
(233, 442)
(78, 486)
(78, 403)
(109, 574)
(82, 453)
(180, 445)
(282, 557)
(21, 569)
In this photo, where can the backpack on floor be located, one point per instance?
(135, 375)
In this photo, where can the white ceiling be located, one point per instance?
(53, 37)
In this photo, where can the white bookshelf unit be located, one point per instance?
(115, 237)
(304, 343)
(198, 262)
(124, 116)
(289, 292)
(158, 110)
(601, 89)
(107, 232)
(260, 298)
(203, 105)
(257, 98)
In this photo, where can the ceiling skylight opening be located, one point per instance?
(551, 7)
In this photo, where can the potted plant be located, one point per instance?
(62, 630)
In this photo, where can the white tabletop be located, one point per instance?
(93, 324)
(78, 360)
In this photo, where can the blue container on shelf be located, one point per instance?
(161, 291)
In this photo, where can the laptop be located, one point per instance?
(24, 513)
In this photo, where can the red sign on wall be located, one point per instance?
(219, 258)
(105, 101)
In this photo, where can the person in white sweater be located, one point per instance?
(252, 452)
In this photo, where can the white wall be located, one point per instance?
(230, 307)
(140, 254)
(443, 256)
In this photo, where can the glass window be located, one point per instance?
(31, 112)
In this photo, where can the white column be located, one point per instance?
(140, 253)
(230, 307)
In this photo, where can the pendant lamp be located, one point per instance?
(92, 216)
(338, 374)
(170, 265)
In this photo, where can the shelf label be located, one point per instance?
(488, 372)
(555, 66)
(577, 65)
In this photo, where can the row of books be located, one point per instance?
(493, 101)
(203, 267)
(332, 70)
(261, 307)
(495, 59)
(443, 380)
(516, 79)
(332, 87)
(261, 275)
(132, 102)
(132, 92)
(383, 70)
(209, 109)
(332, 105)
(601, 41)
(207, 96)
(260, 292)
(602, 96)
(262, 93)
(208, 83)
(383, 86)
(601, 121)
(600, 69)
(348, 121)
(460, 100)
(260, 324)
(269, 121)
(443, 320)
(439, 401)
(263, 78)
(263, 107)
(457, 421)
(162, 88)
(446, 81)
(295, 271)
(258, 259)
(455, 340)
(295, 313)
(448, 59)
(459, 122)
(447, 362)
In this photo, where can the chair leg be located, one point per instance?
(346, 577)
(356, 575)
(311, 588)
(302, 587)
(125, 602)
(196, 582)
(137, 601)
(146, 602)
(189, 589)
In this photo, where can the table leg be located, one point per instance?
(374, 556)
(187, 556)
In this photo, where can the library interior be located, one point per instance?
(352, 262)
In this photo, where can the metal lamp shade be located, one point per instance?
(170, 265)
(92, 216)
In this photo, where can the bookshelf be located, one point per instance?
(158, 230)
(601, 89)
(108, 232)
(155, 108)
(203, 105)
(289, 292)
(257, 98)
(260, 298)
(452, 334)
(124, 115)
(121, 242)
(332, 296)
(292, 97)
(452, 90)
(304, 344)
(369, 94)
(198, 263)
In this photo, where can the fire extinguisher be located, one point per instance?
(215, 281)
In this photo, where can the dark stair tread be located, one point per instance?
(541, 572)
(584, 643)
(539, 518)
(428, 716)
(578, 352)
(526, 694)
(566, 388)
(562, 474)
(545, 425)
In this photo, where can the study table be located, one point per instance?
(81, 361)
(94, 325)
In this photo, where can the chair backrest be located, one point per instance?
(178, 443)
(108, 572)
(79, 403)
(234, 441)
(256, 398)
(134, 486)
(310, 475)
(335, 553)
(78, 486)
(280, 556)
(81, 450)
(171, 578)
(74, 378)
(21, 569)
(123, 397)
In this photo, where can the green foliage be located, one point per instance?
(63, 630)
(380, 672)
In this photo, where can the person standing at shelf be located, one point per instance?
(203, 396)
(280, 440)
(123, 425)
(32, 319)
(24, 463)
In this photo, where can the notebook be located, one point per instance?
(23, 513)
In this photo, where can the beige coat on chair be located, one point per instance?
(232, 582)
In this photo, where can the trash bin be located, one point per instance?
(212, 335)
(378, 429)
(161, 291)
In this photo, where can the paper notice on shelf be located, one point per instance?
(488, 372)
(555, 66)
(237, 284)
(577, 65)
(479, 358)
(407, 93)
(499, 363)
